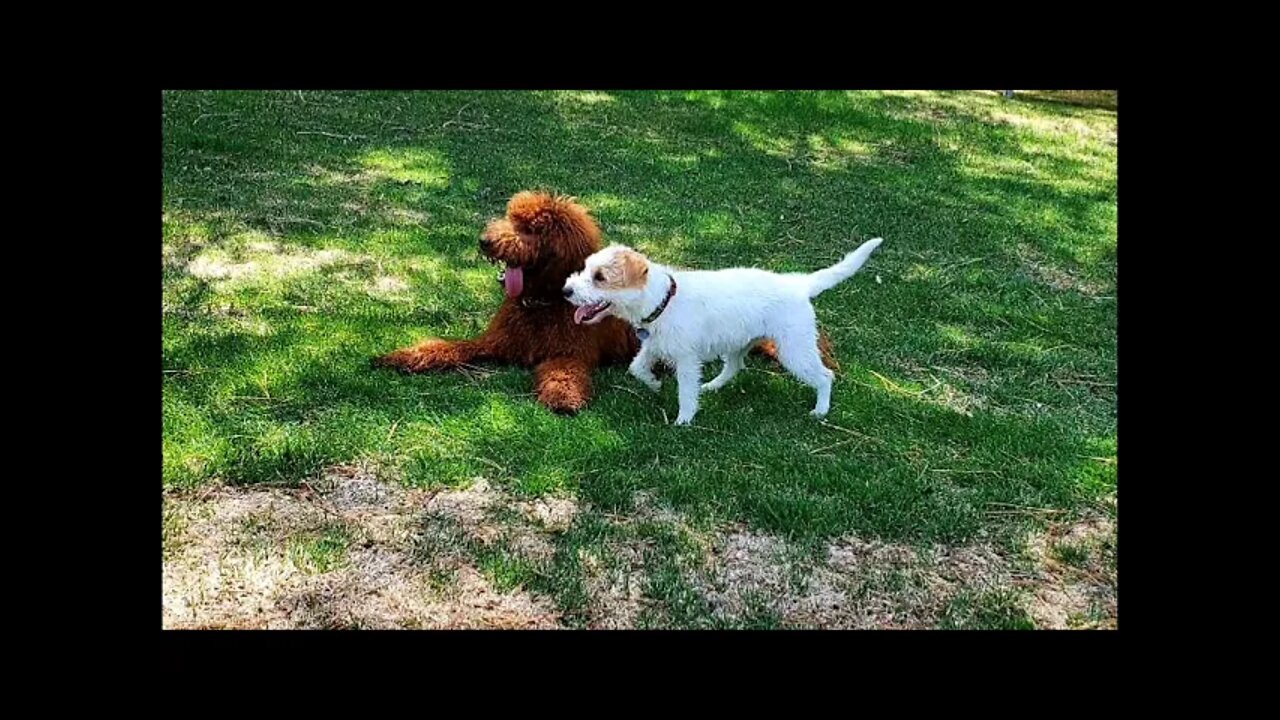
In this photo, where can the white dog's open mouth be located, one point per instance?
(591, 314)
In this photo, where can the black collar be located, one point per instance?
(671, 292)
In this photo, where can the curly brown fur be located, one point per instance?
(548, 237)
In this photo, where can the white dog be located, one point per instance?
(689, 317)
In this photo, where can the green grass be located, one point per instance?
(1073, 554)
(992, 610)
(307, 232)
(320, 552)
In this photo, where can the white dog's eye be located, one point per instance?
(598, 277)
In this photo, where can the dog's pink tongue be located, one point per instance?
(580, 313)
(514, 280)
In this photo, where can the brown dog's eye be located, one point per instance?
(598, 277)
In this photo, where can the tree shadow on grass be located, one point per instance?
(1105, 99)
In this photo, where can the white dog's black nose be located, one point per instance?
(568, 292)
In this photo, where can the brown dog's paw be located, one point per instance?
(769, 349)
(766, 349)
(569, 408)
(562, 399)
(563, 384)
(427, 355)
(828, 352)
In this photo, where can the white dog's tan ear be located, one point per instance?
(635, 268)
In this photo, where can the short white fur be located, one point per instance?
(719, 313)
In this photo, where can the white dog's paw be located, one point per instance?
(682, 420)
(654, 385)
(710, 387)
(817, 414)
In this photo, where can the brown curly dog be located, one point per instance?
(542, 240)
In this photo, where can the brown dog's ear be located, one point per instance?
(635, 269)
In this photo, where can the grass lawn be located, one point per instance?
(966, 476)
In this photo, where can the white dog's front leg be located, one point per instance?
(732, 364)
(689, 379)
(642, 369)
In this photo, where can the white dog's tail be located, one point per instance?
(841, 271)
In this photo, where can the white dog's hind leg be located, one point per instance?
(689, 379)
(642, 368)
(798, 353)
(732, 364)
